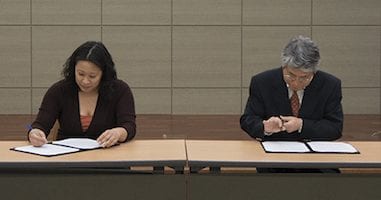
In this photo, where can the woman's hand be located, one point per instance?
(37, 137)
(112, 136)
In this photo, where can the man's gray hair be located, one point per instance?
(301, 53)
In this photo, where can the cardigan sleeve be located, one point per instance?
(125, 112)
(49, 110)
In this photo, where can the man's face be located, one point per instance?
(296, 78)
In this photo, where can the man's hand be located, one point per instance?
(273, 125)
(291, 123)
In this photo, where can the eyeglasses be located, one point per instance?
(299, 79)
(292, 77)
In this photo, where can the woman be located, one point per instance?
(89, 102)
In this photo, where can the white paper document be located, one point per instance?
(308, 147)
(336, 147)
(60, 147)
(46, 150)
(79, 143)
(285, 146)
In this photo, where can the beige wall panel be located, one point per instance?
(152, 101)
(351, 53)
(206, 101)
(66, 12)
(136, 12)
(262, 47)
(361, 101)
(52, 46)
(142, 55)
(348, 12)
(200, 59)
(207, 12)
(276, 12)
(14, 101)
(14, 12)
(37, 96)
(15, 56)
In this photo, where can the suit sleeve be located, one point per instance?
(251, 120)
(331, 125)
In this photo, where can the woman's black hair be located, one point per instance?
(98, 54)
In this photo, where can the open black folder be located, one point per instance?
(60, 147)
(308, 147)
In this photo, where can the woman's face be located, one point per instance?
(87, 76)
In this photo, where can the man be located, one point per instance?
(296, 101)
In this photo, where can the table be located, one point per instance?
(250, 154)
(95, 174)
(107, 173)
(214, 153)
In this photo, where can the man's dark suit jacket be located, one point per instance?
(320, 110)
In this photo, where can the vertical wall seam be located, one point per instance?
(311, 18)
(31, 59)
(101, 26)
(171, 62)
(241, 88)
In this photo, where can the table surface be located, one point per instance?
(175, 153)
(217, 153)
(134, 153)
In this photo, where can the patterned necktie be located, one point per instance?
(295, 104)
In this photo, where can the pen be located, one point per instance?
(282, 128)
(29, 127)
(280, 117)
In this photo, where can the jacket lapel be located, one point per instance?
(280, 91)
(310, 96)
